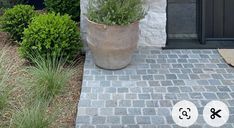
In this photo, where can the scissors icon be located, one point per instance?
(215, 113)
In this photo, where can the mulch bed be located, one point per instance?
(65, 104)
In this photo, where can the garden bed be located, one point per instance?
(64, 104)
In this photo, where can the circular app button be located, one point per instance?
(184, 113)
(216, 113)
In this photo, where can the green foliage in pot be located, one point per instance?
(16, 19)
(115, 12)
(70, 7)
(51, 34)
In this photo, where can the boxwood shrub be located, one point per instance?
(70, 7)
(16, 19)
(51, 34)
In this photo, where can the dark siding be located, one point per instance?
(219, 19)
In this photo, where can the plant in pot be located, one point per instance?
(113, 29)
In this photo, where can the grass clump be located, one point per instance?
(48, 77)
(4, 77)
(115, 12)
(34, 116)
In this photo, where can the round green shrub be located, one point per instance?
(16, 19)
(70, 7)
(115, 12)
(51, 34)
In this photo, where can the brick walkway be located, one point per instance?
(142, 95)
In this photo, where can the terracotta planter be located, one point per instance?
(112, 47)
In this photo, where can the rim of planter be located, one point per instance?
(100, 24)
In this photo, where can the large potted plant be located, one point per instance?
(113, 29)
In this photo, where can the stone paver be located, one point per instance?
(142, 95)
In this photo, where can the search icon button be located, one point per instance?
(184, 113)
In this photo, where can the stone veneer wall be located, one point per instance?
(152, 27)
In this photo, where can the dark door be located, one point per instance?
(218, 20)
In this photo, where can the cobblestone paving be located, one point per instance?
(142, 95)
